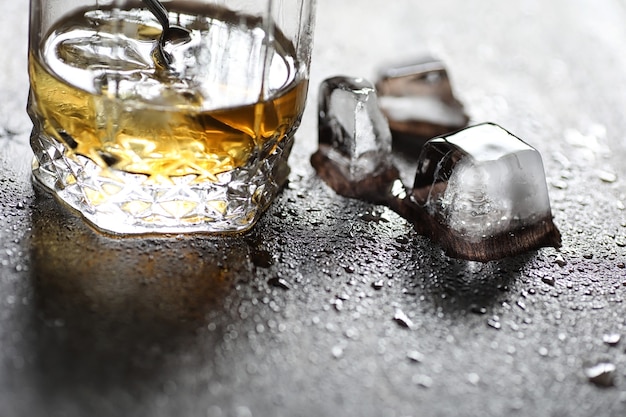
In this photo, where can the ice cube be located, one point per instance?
(103, 50)
(480, 193)
(354, 155)
(136, 23)
(352, 130)
(482, 182)
(418, 101)
(97, 62)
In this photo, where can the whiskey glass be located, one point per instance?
(183, 124)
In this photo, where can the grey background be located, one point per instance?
(193, 326)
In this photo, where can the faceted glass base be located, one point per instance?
(123, 203)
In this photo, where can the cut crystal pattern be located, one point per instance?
(125, 203)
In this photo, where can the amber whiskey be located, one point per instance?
(98, 90)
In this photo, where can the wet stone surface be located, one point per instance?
(197, 326)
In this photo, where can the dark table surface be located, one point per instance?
(195, 326)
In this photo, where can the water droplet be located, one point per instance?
(373, 217)
(337, 303)
(560, 261)
(378, 285)
(343, 297)
(473, 378)
(560, 184)
(548, 280)
(607, 176)
(415, 356)
(403, 240)
(352, 333)
(278, 282)
(494, 322)
(601, 374)
(612, 339)
(337, 352)
(402, 319)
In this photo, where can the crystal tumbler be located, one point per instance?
(167, 117)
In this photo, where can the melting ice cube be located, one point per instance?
(418, 101)
(480, 192)
(354, 155)
(353, 132)
(482, 182)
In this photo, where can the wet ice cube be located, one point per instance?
(137, 23)
(482, 181)
(417, 99)
(352, 130)
(98, 50)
